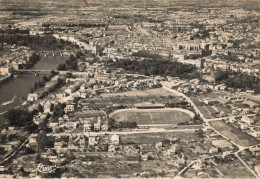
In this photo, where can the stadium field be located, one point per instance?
(153, 116)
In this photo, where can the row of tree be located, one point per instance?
(13, 31)
(21, 118)
(146, 54)
(112, 124)
(47, 42)
(42, 82)
(32, 60)
(70, 64)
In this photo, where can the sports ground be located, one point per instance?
(153, 116)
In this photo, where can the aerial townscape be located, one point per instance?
(129, 89)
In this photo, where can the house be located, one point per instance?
(255, 149)
(53, 159)
(87, 126)
(257, 169)
(104, 127)
(6, 176)
(145, 157)
(62, 122)
(243, 126)
(58, 145)
(256, 134)
(54, 124)
(7, 147)
(60, 95)
(47, 107)
(71, 125)
(32, 97)
(115, 139)
(158, 145)
(250, 91)
(210, 101)
(69, 108)
(2, 168)
(92, 140)
(213, 150)
(83, 94)
(97, 126)
(248, 120)
(172, 150)
(32, 141)
(5, 70)
(251, 104)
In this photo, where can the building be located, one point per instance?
(32, 97)
(115, 139)
(97, 126)
(87, 126)
(257, 169)
(5, 70)
(213, 150)
(69, 108)
(251, 104)
(210, 101)
(149, 105)
(47, 107)
(248, 120)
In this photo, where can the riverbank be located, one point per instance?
(5, 79)
(22, 84)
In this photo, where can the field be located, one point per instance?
(152, 116)
(237, 136)
(233, 169)
(152, 138)
(149, 92)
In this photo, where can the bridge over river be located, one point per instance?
(38, 71)
(56, 53)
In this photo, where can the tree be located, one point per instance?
(40, 108)
(43, 124)
(28, 150)
(30, 127)
(257, 88)
(200, 133)
(35, 86)
(18, 117)
(41, 140)
(11, 137)
(2, 151)
(156, 66)
(3, 138)
(53, 73)
(45, 78)
(62, 67)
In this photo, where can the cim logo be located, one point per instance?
(46, 168)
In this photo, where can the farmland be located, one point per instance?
(153, 116)
(239, 137)
(232, 169)
(149, 92)
(152, 138)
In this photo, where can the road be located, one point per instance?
(7, 157)
(151, 130)
(189, 165)
(247, 167)
(145, 32)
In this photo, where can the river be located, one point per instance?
(19, 87)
